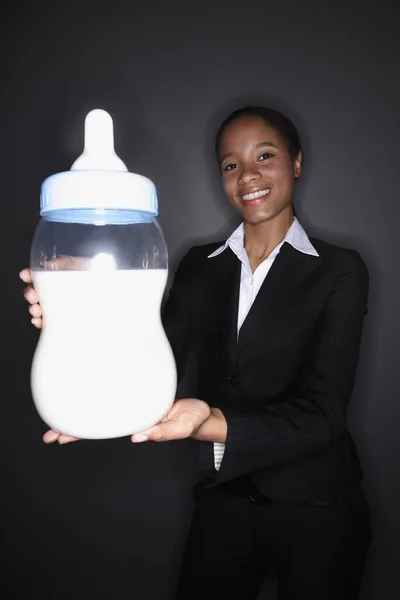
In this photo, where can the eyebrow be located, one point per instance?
(259, 145)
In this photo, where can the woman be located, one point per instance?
(274, 319)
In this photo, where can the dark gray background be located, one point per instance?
(106, 518)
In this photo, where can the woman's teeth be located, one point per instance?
(256, 194)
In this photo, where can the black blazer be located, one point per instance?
(285, 383)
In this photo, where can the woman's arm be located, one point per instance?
(214, 429)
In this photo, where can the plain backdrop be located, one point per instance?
(107, 519)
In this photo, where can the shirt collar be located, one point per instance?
(296, 237)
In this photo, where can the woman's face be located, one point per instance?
(258, 173)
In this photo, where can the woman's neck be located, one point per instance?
(261, 238)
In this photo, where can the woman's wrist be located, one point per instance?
(214, 429)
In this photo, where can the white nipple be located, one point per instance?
(98, 153)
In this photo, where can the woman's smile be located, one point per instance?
(257, 197)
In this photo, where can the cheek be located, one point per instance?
(286, 179)
(228, 186)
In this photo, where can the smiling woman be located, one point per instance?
(274, 319)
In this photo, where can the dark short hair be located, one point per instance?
(282, 124)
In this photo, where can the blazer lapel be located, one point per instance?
(289, 270)
(226, 294)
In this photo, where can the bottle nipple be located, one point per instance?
(98, 152)
(99, 179)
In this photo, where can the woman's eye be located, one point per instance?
(229, 167)
(265, 156)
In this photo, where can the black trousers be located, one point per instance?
(318, 551)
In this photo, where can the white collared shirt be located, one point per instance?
(250, 283)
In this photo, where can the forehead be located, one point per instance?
(246, 131)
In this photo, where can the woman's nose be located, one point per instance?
(249, 174)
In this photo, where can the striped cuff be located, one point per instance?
(219, 450)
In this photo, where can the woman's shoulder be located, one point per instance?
(339, 256)
(200, 252)
(195, 261)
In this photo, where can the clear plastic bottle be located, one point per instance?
(103, 367)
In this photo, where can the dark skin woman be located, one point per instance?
(274, 319)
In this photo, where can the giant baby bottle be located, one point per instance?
(103, 367)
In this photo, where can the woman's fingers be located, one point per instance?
(61, 263)
(26, 276)
(37, 322)
(35, 310)
(54, 436)
(65, 439)
(165, 431)
(68, 263)
(30, 295)
(50, 436)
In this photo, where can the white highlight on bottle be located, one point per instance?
(103, 262)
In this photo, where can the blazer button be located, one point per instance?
(233, 379)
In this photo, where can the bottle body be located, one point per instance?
(103, 367)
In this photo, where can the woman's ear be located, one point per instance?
(297, 165)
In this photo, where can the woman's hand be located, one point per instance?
(32, 297)
(61, 263)
(189, 417)
(182, 421)
(53, 436)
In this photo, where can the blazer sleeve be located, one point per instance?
(316, 416)
(176, 314)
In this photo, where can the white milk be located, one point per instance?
(103, 367)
